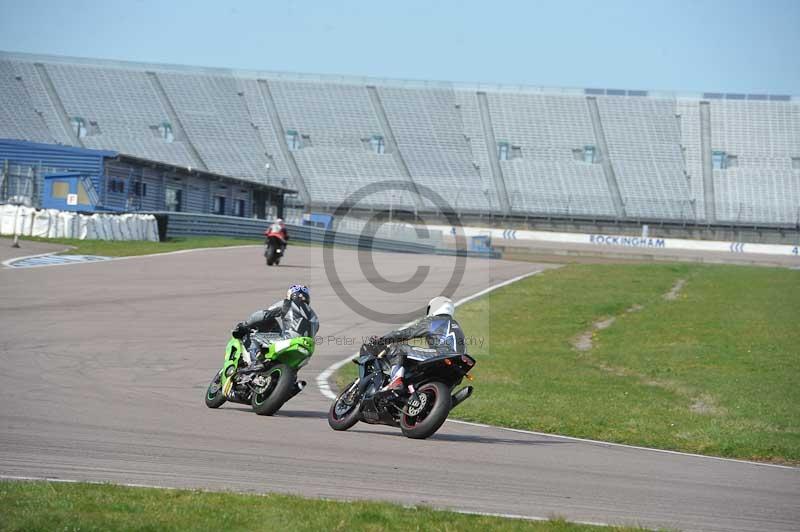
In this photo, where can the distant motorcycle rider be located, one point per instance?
(278, 229)
(440, 330)
(296, 319)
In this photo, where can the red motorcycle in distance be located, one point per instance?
(275, 244)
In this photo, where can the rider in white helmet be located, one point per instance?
(439, 329)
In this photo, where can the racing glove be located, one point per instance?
(240, 331)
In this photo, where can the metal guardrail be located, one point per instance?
(174, 224)
(190, 224)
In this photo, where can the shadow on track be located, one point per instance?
(306, 266)
(280, 413)
(302, 413)
(467, 438)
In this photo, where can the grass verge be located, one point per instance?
(712, 370)
(45, 506)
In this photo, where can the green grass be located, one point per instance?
(47, 506)
(713, 372)
(110, 248)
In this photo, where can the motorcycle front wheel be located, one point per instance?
(214, 396)
(423, 419)
(345, 410)
(270, 255)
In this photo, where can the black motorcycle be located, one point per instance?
(420, 408)
(273, 249)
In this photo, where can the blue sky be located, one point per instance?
(734, 45)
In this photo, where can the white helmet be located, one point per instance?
(441, 305)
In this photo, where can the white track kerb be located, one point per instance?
(325, 389)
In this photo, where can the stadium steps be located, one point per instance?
(491, 148)
(708, 169)
(605, 160)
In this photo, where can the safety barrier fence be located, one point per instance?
(173, 224)
(49, 223)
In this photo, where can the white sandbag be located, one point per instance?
(139, 226)
(52, 229)
(8, 219)
(152, 228)
(116, 232)
(104, 226)
(51, 223)
(91, 229)
(96, 227)
(41, 223)
(65, 227)
(99, 229)
(75, 229)
(81, 223)
(25, 220)
(57, 228)
(144, 226)
(86, 228)
(125, 226)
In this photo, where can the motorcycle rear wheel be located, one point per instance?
(342, 415)
(277, 392)
(432, 414)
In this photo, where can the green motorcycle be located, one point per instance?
(267, 384)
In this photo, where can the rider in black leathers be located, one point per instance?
(440, 330)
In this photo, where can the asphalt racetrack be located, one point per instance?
(104, 367)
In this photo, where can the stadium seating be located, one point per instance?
(430, 135)
(644, 145)
(18, 116)
(215, 117)
(333, 123)
(494, 150)
(763, 136)
(119, 109)
(547, 177)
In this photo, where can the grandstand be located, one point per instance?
(624, 155)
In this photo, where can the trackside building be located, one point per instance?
(73, 178)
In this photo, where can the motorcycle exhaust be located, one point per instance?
(460, 396)
(298, 387)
